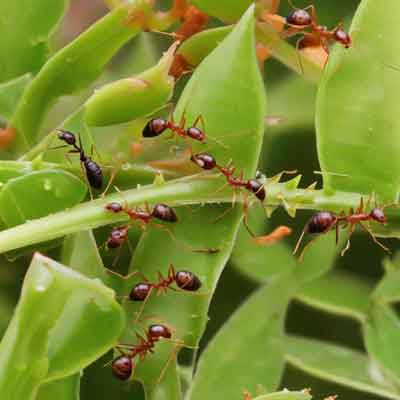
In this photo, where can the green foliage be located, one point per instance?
(266, 322)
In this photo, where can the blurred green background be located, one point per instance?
(288, 145)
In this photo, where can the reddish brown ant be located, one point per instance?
(185, 280)
(161, 212)
(323, 222)
(123, 366)
(157, 126)
(207, 162)
(300, 19)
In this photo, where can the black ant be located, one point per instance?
(300, 19)
(94, 173)
(123, 366)
(322, 222)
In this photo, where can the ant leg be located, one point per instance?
(337, 232)
(301, 258)
(228, 210)
(86, 180)
(299, 55)
(360, 208)
(351, 231)
(375, 239)
(246, 205)
(300, 239)
(110, 181)
(141, 309)
(173, 355)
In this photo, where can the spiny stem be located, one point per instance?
(198, 189)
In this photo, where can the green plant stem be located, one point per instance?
(198, 189)
(287, 54)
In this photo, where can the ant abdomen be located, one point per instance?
(255, 186)
(114, 207)
(196, 134)
(378, 215)
(140, 291)
(157, 331)
(343, 37)
(321, 222)
(186, 280)
(122, 367)
(204, 160)
(155, 127)
(117, 237)
(94, 173)
(299, 17)
(164, 213)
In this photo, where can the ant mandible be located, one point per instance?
(123, 366)
(94, 173)
(300, 19)
(323, 222)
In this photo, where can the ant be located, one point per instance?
(94, 173)
(161, 212)
(300, 19)
(207, 162)
(119, 234)
(185, 280)
(156, 126)
(322, 222)
(123, 366)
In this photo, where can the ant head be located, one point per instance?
(117, 237)
(342, 37)
(196, 134)
(299, 17)
(114, 207)
(204, 160)
(122, 367)
(155, 127)
(257, 188)
(321, 222)
(186, 280)
(157, 331)
(67, 137)
(164, 213)
(140, 291)
(378, 215)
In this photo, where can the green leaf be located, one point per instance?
(134, 97)
(337, 364)
(285, 395)
(62, 389)
(388, 289)
(80, 252)
(250, 353)
(37, 347)
(25, 49)
(38, 194)
(10, 93)
(226, 10)
(363, 143)
(381, 337)
(74, 67)
(339, 293)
